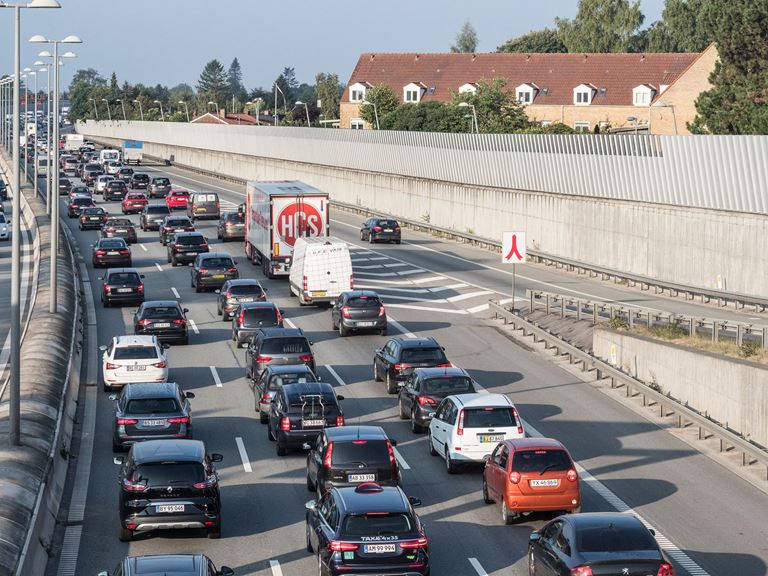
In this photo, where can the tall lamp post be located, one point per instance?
(186, 108)
(141, 111)
(47, 69)
(122, 105)
(95, 108)
(474, 115)
(162, 116)
(109, 112)
(27, 73)
(375, 112)
(215, 106)
(34, 150)
(306, 109)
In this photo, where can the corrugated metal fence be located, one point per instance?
(713, 172)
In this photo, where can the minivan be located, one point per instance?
(203, 205)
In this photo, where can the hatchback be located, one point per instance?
(168, 485)
(300, 412)
(380, 230)
(236, 292)
(101, 182)
(90, 175)
(425, 388)
(115, 190)
(231, 226)
(358, 310)
(173, 224)
(134, 202)
(185, 246)
(400, 356)
(130, 359)
(176, 564)
(65, 185)
(212, 270)
(152, 216)
(150, 411)
(367, 529)
(249, 317)
(119, 228)
(270, 381)
(165, 319)
(77, 204)
(92, 218)
(203, 205)
(111, 252)
(125, 174)
(277, 346)
(159, 187)
(139, 181)
(531, 475)
(122, 285)
(177, 199)
(80, 190)
(112, 168)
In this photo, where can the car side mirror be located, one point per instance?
(339, 397)
(652, 531)
(185, 310)
(189, 395)
(190, 264)
(118, 460)
(415, 502)
(141, 276)
(217, 291)
(216, 457)
(393, 442)
(103, 348)
(113, 397)
(103, 573)
(310, 505)
(377, 351)
(166, 346)
(306, 446)
(311, 343)
(101, 277)
(534, 537)
(226, 571)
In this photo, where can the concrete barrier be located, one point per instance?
(731, 391)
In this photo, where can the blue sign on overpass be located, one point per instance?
(133, 144)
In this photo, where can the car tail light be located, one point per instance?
(228, 294)
(100, 252)
(391, 452)
(382, 312)
(210, 481)
(581, 571)
(426, 400)
(203, 270)
(285, 424)
(339, 420)
(278, 316)
(141, 287)
(107, 289)
(179, 322)
(125, 252)
(351, 281)
(179, 420)
(306, 358)
(460, 429)
(204, 245)
(517, 419)
(666, 570)
(377, 228)
(328, 455)
(178, 245)
(397, 229)
(304, 283)
(422, 542)
(402, 366)
(143, 322)
(167, 227)
(514, 477)
(126, 421)
(162, 364)
(109, 230)
(112, 366)
(231, 269)
(134, 487)
(444, 365)
(336, 546)
(571, 475)
(263, 358)
(345, 311)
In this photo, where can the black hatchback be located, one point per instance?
(249, 317)
(236, 292)
(185, 246)
(380, 230)
(111, 252)
(121, 286)
(277, 346)
(359, 310)
(397, 359)
(212, 270)
(139, 181)
(115, 190)
(168, 485)
(423, 390)
(300, 412)
(165, 319)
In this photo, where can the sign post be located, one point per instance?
(513, 252)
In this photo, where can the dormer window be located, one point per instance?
(643, 95)
(467, 88)
(582, 94)
(412, 93)
(357, 92)
(526, 93)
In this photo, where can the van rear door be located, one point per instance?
(328, 269)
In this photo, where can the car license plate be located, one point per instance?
(201, 209)
(153, 422)
(162, 324)
(178, 229)
(191, 253)
(378, 548)
(245, 299)
(387, 229)
(366, 323)
(137, 368)
(549, 482)
(121, 230)
(306, 423)
(218, 276)
(124, 290)
(490, 437)
(361, 477)
(112, 253)
(170, 508)
(318, 293)
(93, 218)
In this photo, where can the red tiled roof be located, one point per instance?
(237, 118)
(559, 74)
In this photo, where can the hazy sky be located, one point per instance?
(169, 41)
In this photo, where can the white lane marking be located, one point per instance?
(400, 328)
(469, 295)
(335, 375)
(194, 326)
(388, 289)
(158, 267)
(395, 265)
(243, 454)
(378, 258)
(413, 299)
(428, 279)
(428, 309)
(477, 566)
(274, 565)
(290, 324)
(395, 282)
(449, 287)
(410, 272)
(476, 309)
(359, 272)
(371, 267)
(400, 459)
(216, 378)
(175, 292)
(143, 247)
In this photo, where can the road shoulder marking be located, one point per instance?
(216, 378)
(243, 454)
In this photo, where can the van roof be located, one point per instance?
(284, 187)
(321, 240)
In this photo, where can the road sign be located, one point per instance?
(513, 248)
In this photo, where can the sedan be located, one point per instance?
(119, 228)
(236, 292)
(134, 202)
(92, 218)
(380, 230)
(65, 185)
(425, 388)
(111, 252)
(121, 285)
(115, 190)
(80, 190)
(176, 564)
(212, 270)
(249, 317)
(165, 319)
(270, 381)
(77, 204)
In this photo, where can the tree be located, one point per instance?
(497, 109)
(680, 29)
(539, 41)
(385, 100)
(601, 26)
(428, 116)
(235, 80)
(466, 40)
(80, 92)
(181, 92)
(212, 85)
(328, 94)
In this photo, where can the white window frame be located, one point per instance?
(583, 94)
(412, 93)
(642, 95)
(525, 93)
(357, 92)
(467, 88)
(581, 126)
(357, 124)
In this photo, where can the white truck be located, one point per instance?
(133, 151)
(73, 142)
(109, 155)
(321, 269)
(276, 215)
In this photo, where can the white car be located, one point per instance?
(4, 233)
(113, 167)
(102, 181)
(467, 427)
(131, 359)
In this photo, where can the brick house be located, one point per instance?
(224, 117)
(580, 90)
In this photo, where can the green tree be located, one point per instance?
(385, 100)
(235, 80)
(538, 41)
(428, 116)
(680, 29)
(328, 94)
(466, 40)
(81, 89)
(212, 85)
(601, 26)
(497, 109)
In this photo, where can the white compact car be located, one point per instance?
(113, 168)
(131, 359)
(4, 233)
(102, 181)
(467, 427)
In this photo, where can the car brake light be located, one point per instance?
(391, 452)
(179, 322)
(460, 429)
(397, 229)
(141, 287)
(231, 269)
(263, 358)
(124, 252)
(336, 546)
(514, 477)
(345, 311)
(571, 475)
(305, 358)
(203, 270)
(131, 487)
(228, 294)
(126, 421)
(581, 571)
(179, 420)
(107, 289)
(109, 229)
(112, 366)
(382, 312)
(162, 364)
(304, 283)
(285, 424)
(426, 400)
(402, 366)
(265, 397)
(339, 420)
(278, 316)
(328, 455)
(422, 542)
(210, 481)
(517, 419)
(665, 570)
(351, 281)
(100, 252)
(167, 227)
(143, 322)
(377, 228)
(444, 365)
(204, 245)
(241, 318)
(178, 245)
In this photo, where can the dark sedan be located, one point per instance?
(65, 185)
(425, 388)
(139, 181)
(380, 230)
(165, 319)
(92, 218)
(77, 204)
(176, 564)
(115, 190)
(212, 270)
(236, 292)
(185, 246)
(122, 285)
(119, 228)
(231, 226)
(173, 224)
(358, 310)
(111, 252)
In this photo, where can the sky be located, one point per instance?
(169, 41)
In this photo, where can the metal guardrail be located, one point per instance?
(750, 453)
(581, 309)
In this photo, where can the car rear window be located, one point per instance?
(364, 302)
(82, 202)
(92, 167)
(218, 262)
(135, 353)
(447, 385)
(190, 240)
(377, 525)
(613, 539)
(368, 452)
(245, 289)
(161, 312)
(136, 197)
(541, 461)
(120, 222)
(161, 181)
(388, 223)
(205, 198)
(180, 193)
(261, 316)
(140, 177)
(152, 406)
(311, 402)
(419, 355)
(168, 473)
(130, 278)
(155, 209)
(112, 243)
(288, 345)
(116, 184)
(93, 210)
(178, 222)
(488, 417)
(236, 217)
(279, 380)
(181, 565)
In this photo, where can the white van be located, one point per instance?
(321, 269)
(109, 155)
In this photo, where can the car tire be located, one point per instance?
(197, 288)
(174, 261)
(362, 239)
(531, 564)
(219, 311)
(342, 330)
(402, 413)
(125, 535)
(168, 258)
(333, 323)
(383, 332)
(370, 238)
(270, 436)
(507, 517)
(214, 533)
(416, 428)
(311, 486)
(281, 450)
(397, 241)
(263, 418)
(432, 451)
(450, 465)
(486, 497)
(186, 340)
(376, 377)
(309, 543)
(391, 386)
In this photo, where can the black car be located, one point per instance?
(176, 564)
(165, 319)
(65, 185)
(358, 310)
(159, 187)
(367, 529)
(90, 173)
(111, 252)
(77, 204)
(236, 292)
(153, 216)
(125, 174)
(270, 381)
(231, 226)
(596, 543)
(380, 230)
(300, 412)
(277, 346)
(151, 411)
(423, 390)
(351, 455)
(92, 218)
(173, 224)
(396, 360)
(249, 317)
(122, 285)
(139, 181)
(169, 484)
(3, 191)
(185, 246)
(119, 228)
(212, 270)
(115, 190)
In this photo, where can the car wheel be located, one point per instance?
(391, 385)
(168, 257)
(270, 436)
(281, 449)
(311, 486)
(218, 311)
(507, 517)
(186, 340)
(486, 497)
(174, 262)
(361, 236)
(450, 465)
(376, 377)
(125, 535)
(531, 564)
(402, 413)
(106, 303)
(238, 343)
(416, 428)
(397, 241)
(342, 330)
(370, 238)
(432, 451)
(306, 531)
(214, 533)
(197, 288)
(383, 332)
(263, 418)
(333, 323)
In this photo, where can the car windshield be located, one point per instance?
(293, 378)
(447, 385)
(190, 240)
(161, 181)
(141, 177)
(489, 417)
(112, 243)
(152, 406)
(419, 355)
(161, 312)
(541, 460)
(130, 278)
(377, 525)
(245, 289)
(169, 473)
(217, 262)
(288, 345)
(136, 197)
(182, 565)
(611, 538)
(92, 167)
(261, 316)
(135, 353)
(364, 302)
(2, 218)
(368, 452)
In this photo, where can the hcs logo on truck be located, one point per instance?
(297, 220)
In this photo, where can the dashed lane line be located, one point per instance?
(400, 328)
(160, 268)
(194, 326)
(468, 295)
(290, 324)
(335, 375)
(429, 279)
(175, 292)
(400, 460)
(143, 247)
(274, 565)
(243, 454)
(477, 566)
(216, 378)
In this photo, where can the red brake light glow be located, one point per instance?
(285, 424)
(422, 542)
(263, 358)
(426, 400)
(179, 322)
(345, 311)
(133, 487)
(179, 420)
(339, 420)
(514, 477)
(666, 570)
(382, 312)
(126, 421)
(517, 419)
(305, 358)
(402, 366)
(391, 451)
(328, 456)
(162, 364)
(571, 475)
(460, 429)
(581, 571)
(336, 546)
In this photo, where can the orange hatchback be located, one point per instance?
(531, 475)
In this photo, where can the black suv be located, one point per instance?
(185, 246)
(92, 218)
(162, 318)
(300, 412)
(273, 377)
(236, 292)
(249, 317)
(150, 411)
(139, 180)
(169, 484)
(367, 529)
(425, 388)
(176, 564)
(359, 310)
(212, 270)
(159, 187)
(380, 230)
(121, 285)
(277, 346)
(115, 190)
(351, 455)
(173, 224)
(153, 216)
(396, 360)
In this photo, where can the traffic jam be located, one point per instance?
(360, 517)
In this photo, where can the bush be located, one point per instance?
(619, 323)
(749, 349)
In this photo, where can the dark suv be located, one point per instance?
(169, 484)
(249, 317)
(231, 226)
(115, 190)
(150, 411)
(162, 318)
(173, 224)
(359, 310)
(159, 187)
(380, 230)
(277, 346)
(425, 388)
(396, 360)
(176, 564)
(270, 381)
(351, 455)
(139, 181)
(185, 246)
(300, 412)
(212, 270)
(153, 215)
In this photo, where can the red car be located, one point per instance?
(134, 202)
(177, 199)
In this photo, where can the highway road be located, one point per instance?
(431, 288)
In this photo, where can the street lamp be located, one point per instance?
(27, 73)
(375, 111)
(34, 149)
(474, 115)
(162, 116)
(122, 105)
(141, 111)
(633, 119)
(186, 108)
(300, 103)
(109, 112)
(215, 106)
